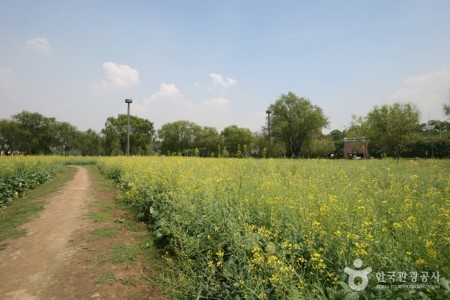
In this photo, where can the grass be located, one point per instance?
(120, 253)
(108, 232)
(100, 216)
(125, 241)
(107, 277)
(22, 210)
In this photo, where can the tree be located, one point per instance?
(234, 139)
(336, 135)
(295, 121)
(208, 140)
(36, 134)
(115, 135)
(90, 143)
(320, 147)
(9, 133)
(446, 106)
(181, 137)
(260, 145)
(392, 127)
(65, 136)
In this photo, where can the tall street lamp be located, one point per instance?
(128, 101)
(268, 112)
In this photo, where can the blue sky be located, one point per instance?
(219, 63)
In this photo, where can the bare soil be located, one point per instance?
(60, 257)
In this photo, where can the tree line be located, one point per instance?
(295, 131)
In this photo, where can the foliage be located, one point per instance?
(19, 174)
(260, 146)
(10, 133)
(183, 137)
(65, 136)
(116, 131)
(285, 229)
(90, 143)
(30, 132)
(392, 127)
(428, 149)
(337, 135)
(33, 133)
(208, 141)
(295, 121)
(179, 137)
(446, 109)
(235, 138)
(319, 147)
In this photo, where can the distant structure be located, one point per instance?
(355, 148)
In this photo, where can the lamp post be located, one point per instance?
(128, 101)
(268, 112)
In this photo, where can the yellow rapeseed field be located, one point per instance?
(286, 229)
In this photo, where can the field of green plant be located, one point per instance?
(19, 174)
(286, 229)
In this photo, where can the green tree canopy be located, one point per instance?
(115, 135)
(36, 133)
(320, 147)
(208, 141)
(446, 108)
(181, 137)
(295, 121)
(66, 137)
(234, 139)
(90, 143)
(392, 127)
(10, 133)
(336, 135)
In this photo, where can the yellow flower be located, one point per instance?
(421, 262)
(397, 225)
(220, 254)
(301, 260)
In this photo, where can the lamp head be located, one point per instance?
(128, 101)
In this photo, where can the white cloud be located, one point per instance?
(166, 92)
(169, 105)
(219, 79)
(428, 91)
(39, 45)
(119, 76)
(218, 102)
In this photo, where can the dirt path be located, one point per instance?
(78, 248)
(29, 264)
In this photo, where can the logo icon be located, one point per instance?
(353, 275)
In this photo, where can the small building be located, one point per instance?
(355, 148)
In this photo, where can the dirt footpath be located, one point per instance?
(29, 264)
(68, 251)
